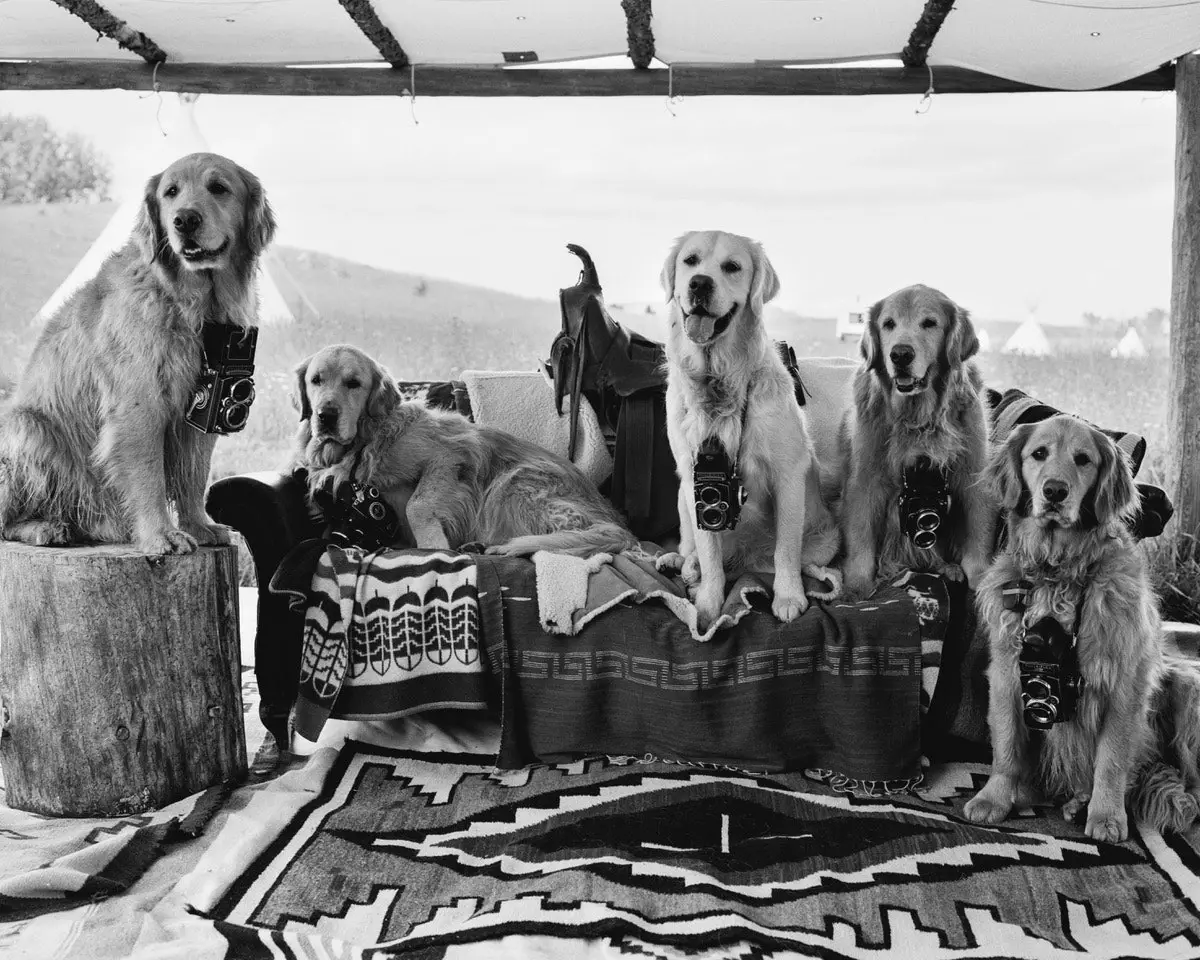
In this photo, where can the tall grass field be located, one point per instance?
(425, 328)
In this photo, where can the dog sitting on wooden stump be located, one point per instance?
(133, 378)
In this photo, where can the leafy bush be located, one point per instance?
(40, 165)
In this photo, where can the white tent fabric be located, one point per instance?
(183, 137)
(1129, 346)
(1066, 44)
(1029, 339)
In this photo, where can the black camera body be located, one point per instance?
(717, 489)
(356, 515)
(224, 391)
(924, 502)
(1050, 679)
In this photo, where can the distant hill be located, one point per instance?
(387, 311)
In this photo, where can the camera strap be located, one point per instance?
(1014, 596)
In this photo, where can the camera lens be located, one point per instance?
(235, 415)
(710, 496)
(242, 391)
(924, 539)
(1040, 714)
(713, 518)
(928, 520)
(376, 510)
(1037, 689)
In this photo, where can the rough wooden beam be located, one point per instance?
(641, 36)
(1184, 391)
(689, 80)
(367, 20)
(916, 51)
(103, 22)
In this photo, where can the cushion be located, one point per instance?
(827, 387)
(1015, 407)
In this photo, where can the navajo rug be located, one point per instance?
(409, 854)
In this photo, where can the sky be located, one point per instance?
(1053, 203)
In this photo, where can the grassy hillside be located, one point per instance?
(429, 328)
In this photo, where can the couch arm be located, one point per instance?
(269, 511)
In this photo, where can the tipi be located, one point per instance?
(184, 138)
(1129, 346)
(1029, 339)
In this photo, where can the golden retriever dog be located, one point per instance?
(1135, 730)
(94, 446)
(916, 395)
(451, 481)
(726, 380)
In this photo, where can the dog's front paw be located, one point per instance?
(1073, 808)
(974, 569)
(670, 562)
(992, 804)
(951, 571)
(209, 534)
(787, 606)
(985, 808)
(1109, 826)
(39, 533)
(166, 540)
(709, 600)
(858, 580)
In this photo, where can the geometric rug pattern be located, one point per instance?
(407, 853)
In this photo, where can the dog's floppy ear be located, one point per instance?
(148, 232)
(1003, 473)
(667, 277)
(962, 343)
(764, 285)
(299, 391)
(258, 219)
(869, 345)
(1114, 496)
(384, 396)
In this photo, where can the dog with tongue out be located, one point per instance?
(729, 390)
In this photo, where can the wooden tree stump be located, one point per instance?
(119, 676)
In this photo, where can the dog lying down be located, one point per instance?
(452, 482)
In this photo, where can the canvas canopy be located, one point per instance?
(1066, 44)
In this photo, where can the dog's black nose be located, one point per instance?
(327, 418)
(187, 220)
(700, 287)
(902, 355)
(1055, 491)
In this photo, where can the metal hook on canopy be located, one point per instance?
(927, 99)
(672, 99)
(411, 92)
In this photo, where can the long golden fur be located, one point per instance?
(451, 481)
(94, 446)
(725, 379)
(1068, 491)
(917, 393)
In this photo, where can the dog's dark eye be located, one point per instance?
(217, 189)
(1082, 459)
(353, 383)
(928, 323)
(731, 266)
(691, 260)
(1041, 453)
(171, 191)
(316, 380)
(889, 324)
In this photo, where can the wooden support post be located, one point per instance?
(119, 676)
(1183, 477)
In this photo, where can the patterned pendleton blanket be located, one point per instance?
(393, 633)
